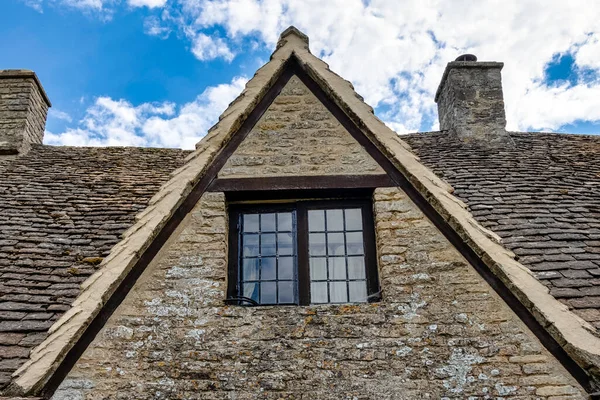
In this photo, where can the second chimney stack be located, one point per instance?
(23, 109)
(470, 100)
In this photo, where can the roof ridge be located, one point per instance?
(564, 134)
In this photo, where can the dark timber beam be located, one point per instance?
(301, 183)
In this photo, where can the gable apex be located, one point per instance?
(292, 30)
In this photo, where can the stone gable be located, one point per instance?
(440, 330)
(297, 135)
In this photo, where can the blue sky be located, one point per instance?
(159, 72)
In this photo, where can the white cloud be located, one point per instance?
(549, 108)
(55, 113)
(96, 5)
(394, 52)
(111, 122)
(147, 3)
(207, 48)
(102, 9)
(35, 4)
(154, 27)
(588, 54)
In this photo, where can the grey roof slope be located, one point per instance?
(542, 197)
(61, 211)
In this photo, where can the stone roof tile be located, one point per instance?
(542, 197)
(61, 211)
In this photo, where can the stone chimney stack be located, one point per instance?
(23, 109)
(470, 101)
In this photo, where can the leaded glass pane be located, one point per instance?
(356, 267)
(337, 268)
(251, 223)
(354, 242)
(268, 268)
(250, 269)
(353, 219)
(318, 268)
(267, 223)
(337, 292)
(316, 244)
(286, 268)
(335, 244)
(267, 244)
(316, 220)
(251, 291)
(251, 245)
(358, 291)
(335, 220)
(285, 244)
(268, 292)
(318, 292)
(286, 292)
(284, 222)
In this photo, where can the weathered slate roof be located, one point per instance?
(542, 197)
(61, 211)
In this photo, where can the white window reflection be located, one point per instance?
(336, 252)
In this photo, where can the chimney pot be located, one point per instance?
(467, 57)
(23, 110)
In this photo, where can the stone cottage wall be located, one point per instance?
(297, 135)
(439, 332)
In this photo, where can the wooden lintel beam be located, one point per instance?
(301, 183)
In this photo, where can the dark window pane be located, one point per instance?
(316, 220)
(337, 268)
(267, 244)
(251, 223)
(285, 244)
(354, 242)
(358, 291)
(356, 267)
(251, 291)
(353, 219)
(318, 292)
(250, 243)
(335, 220)
(250, 269)
(267, 222)
(286, 292)
(316, 244)
(337, 292)
(284, 222)
(335, 244)
(268, 292)
(267, 271)
(318, 268)
(286, 267)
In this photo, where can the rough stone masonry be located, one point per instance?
(23, 109)
(471, 103)
(439, 332)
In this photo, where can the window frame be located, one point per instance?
(301, 208)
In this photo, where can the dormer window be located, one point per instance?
(302, 252)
